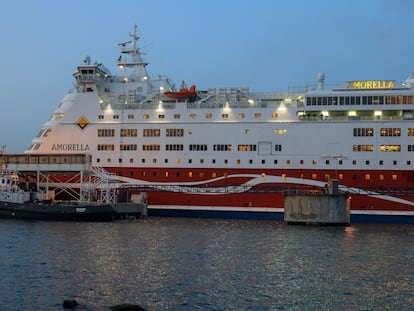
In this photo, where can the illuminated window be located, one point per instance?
(190, 174)
(367, 177)
(177, 161)
(274, 115)
(314, 162)
(190, 132)
(240, 116)
(263, 175)
(301, 175)
(394, 177)
(390, 148)
(381, 177)
(314, 176)
(201, 174)
(166, 174)
(257, 115)
(410, 131)
(146, 116)
(130, 116)
(209, 115)
(327, 176)
(214, 175)
(284, 175)
(340, 176)
(238, 161)
(280, 131)
(193, 115)
(288, 162)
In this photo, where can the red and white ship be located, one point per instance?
(231, 152)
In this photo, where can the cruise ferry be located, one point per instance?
(233, 152)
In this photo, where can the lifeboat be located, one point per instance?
(183, 93)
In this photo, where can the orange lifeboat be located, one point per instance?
(183, 93)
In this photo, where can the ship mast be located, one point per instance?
(136, 63)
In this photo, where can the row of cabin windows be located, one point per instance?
(358, 100)
(384, 131)
(256, 115)
(242, 148)
(275, 162)
(315, 176)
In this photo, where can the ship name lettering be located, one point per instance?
(371, 84)
(70, 147)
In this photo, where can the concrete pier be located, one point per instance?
(326, 209)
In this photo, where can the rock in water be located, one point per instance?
(127, 307)
(69, 304)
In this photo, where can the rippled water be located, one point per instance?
(205, 264)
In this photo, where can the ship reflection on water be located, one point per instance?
(208, 264)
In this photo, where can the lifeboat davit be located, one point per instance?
(183, 93)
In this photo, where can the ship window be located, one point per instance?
(201, 161)
(354, 162)
(283, 175)
(367, 162)
(101, 117)
(209, 115)
(174, 132)
(213, 175)
(129, 132)
(201, 174)
(226, 161)
(193, 115)
(130, 116)
(246, 147)
(381, 177)
(108, 160)
(280, 131)
(250, 161)
(390, 148)
(107, 90)
(177, 161)
(190, 174)
(98, 160)
(340, 176)
(257, 115)
(327, 176)
(224, 115)
(143, 160)
(408, 162)
(131, 160)
(165, 160)
(381, 162)
(314, 176)
(301, 162)
(278, 147)
(177, 116)
(327, 162)
(115, 116)
(367, 177)
(119, 160)
(238, 161)
(275, 162)
(410, 131)
(390, 131)
(274, 115)
(394, 162)
(166, 174)
(240, 116)
(314, 162)
(364, 131)
(106, 132)
(161, 116)
(146, 116)
(247, 131)
(213, 161)
(154, 173)
(151, 132)
(288, 162)
(394, 177)
(263, 161)
(190, 161)
(190, 132)
(340, 162)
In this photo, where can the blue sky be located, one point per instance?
(267, 45)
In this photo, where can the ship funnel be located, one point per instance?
(321, 79)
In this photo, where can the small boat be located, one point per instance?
(183, 93)
(19, 203)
